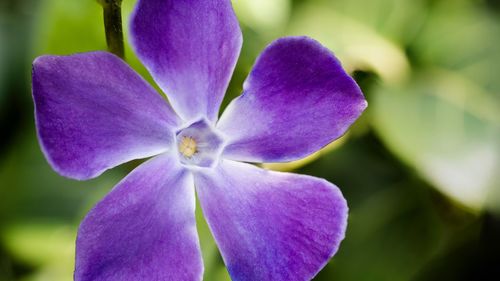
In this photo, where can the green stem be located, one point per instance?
(113, 26)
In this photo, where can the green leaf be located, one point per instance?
(47, 246)
(447, 128)
(357, 44)
(68, 27)
(41, 243)
(264, 16)
(462, 36)
(30, 189)
(396, 20)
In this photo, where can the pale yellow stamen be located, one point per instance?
(187, 147)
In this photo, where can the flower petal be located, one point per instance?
(144, 229)
(191, 48)
(93, 112)
(296, 100)
(271, 225)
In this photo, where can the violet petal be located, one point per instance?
(271, 225)
(93, 112)
(296, 100)
(144, 229)
(190, 48)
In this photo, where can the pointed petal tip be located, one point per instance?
(93, 112)
(271, 225)
(297, 99)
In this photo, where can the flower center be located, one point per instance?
(199, 144)
(187, 147)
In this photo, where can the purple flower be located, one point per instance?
(93, 112)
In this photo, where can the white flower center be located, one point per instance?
(199, 144)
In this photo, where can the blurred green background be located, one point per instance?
(420, 169)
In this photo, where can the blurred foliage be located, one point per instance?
(359, 45)
(447, 129)
(420, 169)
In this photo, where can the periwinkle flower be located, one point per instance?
(93, 112)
